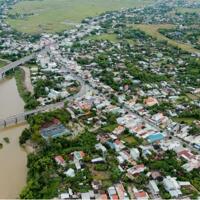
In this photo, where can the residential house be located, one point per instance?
(172, 186)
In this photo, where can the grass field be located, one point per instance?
(188, 121)
(153, 31)
(58, 15)
(129, 139)
(189, 10)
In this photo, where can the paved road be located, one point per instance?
(15, 64)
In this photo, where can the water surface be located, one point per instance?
(13, 158)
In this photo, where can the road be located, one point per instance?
(15, 64)
(21, 116)
(19, 62)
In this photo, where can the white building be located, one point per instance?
(172, 186)
(135, 154)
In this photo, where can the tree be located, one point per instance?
(26, 135)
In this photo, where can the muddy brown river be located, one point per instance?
(13, 159)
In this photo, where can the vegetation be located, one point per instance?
(45, 176)
(162, 107)
(54, 16)
(146, 77)
(37, 121)
(190, 35)
(153, 30)
(30, 101)
(6, 139)
(2, 63)
(110, 37)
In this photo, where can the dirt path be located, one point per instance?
(27, 79)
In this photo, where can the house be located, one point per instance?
(150, 101)
(118, 145)
(135, 154)
(87, 195)
(136, 169)
(78, 155)
(153, 187)
(119, 130)
(102, 197)
(98, 160)
(121, 192)
(186, 154)
(64, 196)
(102, 148)
(60, 160)
(156, 175)
(157, 118)
(172, 186)
(192, 164)
(70, 173)
(77, 164)
(141, 195)
(112, 193)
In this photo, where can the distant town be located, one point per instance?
(112, 105)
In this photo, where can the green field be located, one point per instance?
(185, 120)
(58, 15)
(189, 10)
(153, 30)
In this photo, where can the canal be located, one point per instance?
(13, 159)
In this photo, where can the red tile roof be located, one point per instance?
(186, 154)
(140, 194)
(115, 197)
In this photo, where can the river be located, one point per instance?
(13, 159)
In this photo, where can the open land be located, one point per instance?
(153, 30)
(55, 16)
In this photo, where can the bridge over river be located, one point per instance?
(14, 65)
(20, 118)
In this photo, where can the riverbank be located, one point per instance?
(27, 79)
(29, 99)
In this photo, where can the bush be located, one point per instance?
(101, 167)
(26, 135)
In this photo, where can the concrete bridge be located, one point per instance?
(15, 64)
(20, 118)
